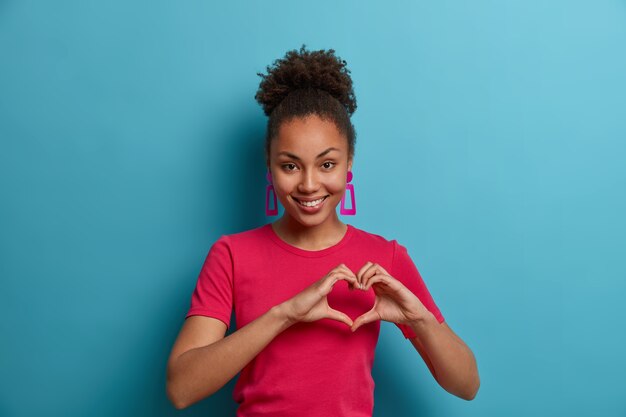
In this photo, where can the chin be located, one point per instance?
(312, 220)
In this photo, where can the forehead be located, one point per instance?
(308, 136)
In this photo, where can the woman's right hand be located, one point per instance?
(311, 303)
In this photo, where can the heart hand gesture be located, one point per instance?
(394, 302)
(311, 304)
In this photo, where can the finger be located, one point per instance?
(365, 318)
(344, 268)
(333, 277)
(378, 278)
(368, 273)
(340, 268)
(382, 269)
(389, 282)
(374, 270)
(339, 316)
(362, 270)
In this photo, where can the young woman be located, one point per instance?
(308, 290)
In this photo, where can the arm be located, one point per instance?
(203, 361)
(197, 372)
(449, 359)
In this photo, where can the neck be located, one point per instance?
(317, 237)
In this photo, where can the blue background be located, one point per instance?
(490, 142)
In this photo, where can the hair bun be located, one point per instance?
(304, 69)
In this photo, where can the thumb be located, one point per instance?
(339, 316)
(365, 318)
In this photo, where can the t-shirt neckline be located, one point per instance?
(309, 253)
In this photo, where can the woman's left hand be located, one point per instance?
(394, 302)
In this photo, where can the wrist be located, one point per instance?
(280, 312)
(422, 323)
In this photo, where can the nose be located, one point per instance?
(308, 183)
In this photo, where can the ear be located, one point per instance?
(350, 164)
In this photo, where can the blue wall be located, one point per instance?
(491, 142)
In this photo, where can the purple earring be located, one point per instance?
(343, 209)
(268, 189)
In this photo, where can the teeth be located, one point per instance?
(312, 203)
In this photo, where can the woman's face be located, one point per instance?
(309, 161)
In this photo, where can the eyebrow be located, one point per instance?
(298, 158)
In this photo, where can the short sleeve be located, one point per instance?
(213, 294)
(405, 271)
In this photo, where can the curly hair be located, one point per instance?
(305, 83)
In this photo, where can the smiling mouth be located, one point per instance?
(310, 203)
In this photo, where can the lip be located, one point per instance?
(311, 210)
(308, 200)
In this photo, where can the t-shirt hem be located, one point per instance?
(208, 313)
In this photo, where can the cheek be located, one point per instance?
(335, 187)
(279, 190)
(283, 187)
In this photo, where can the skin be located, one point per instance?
(203, 359)
(449, 359)
(309, 177)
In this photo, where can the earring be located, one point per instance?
(268, 189)
(343, 209)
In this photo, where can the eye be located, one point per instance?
(329, 162)
(288, 165)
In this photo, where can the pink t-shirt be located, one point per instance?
(315, 369)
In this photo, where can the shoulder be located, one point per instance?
(243, 240)
(253, 233)
(374, 240)
(398, 254)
